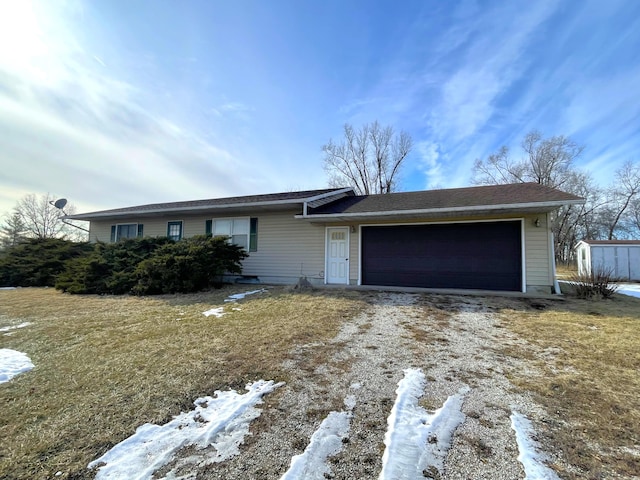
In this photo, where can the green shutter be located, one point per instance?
(140, 230)
(113, 233)
(253, 235)
(208, 226)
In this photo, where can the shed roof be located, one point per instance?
(611, 242)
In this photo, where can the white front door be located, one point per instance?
(338, 255)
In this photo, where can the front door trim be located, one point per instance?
(337, 270)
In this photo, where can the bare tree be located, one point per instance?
(43, 220)
(368, 159)
(634, 218)
(12, 231)
(625, 189)
(548, 161)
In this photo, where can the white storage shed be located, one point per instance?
(621, 257)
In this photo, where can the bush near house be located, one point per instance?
(110, 267)
(189, 265)
(147, 266)
(599, 283)
(37, 262)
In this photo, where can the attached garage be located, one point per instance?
(478, 255)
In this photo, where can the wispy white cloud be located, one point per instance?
(68, 127)
(235, 109)
(428, 154)
(493, 60)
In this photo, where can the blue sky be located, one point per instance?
(114, 103)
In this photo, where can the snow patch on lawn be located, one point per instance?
(631, 289)
(220, 422)
(240, 296)
(7, 288)
(219, 311)
(529, 456)
(13, 363)
(216, 312)
(415, 439)
(14, 327)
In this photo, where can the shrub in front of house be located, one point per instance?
(152, 265)
(37, 262)
(109, 268)
(190, 265)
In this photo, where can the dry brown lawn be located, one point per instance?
(106, 365)
(589, 353)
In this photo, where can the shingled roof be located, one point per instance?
(341, 204)
(510, 197)
(270, 199)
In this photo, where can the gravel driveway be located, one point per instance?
(455, 341)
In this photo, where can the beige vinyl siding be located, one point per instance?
(537, 250)
(354, 257)
(287, 249)
(100, 231)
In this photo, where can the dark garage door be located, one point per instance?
(485, 255)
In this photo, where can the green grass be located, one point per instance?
(106, 365)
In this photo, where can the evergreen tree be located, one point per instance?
(12, 230)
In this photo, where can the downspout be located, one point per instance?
(552, 253)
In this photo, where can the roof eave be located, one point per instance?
(200, 208)
(532, 207)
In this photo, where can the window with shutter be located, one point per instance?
(240, 231)
(174, 230)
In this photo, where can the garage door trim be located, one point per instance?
(492, 220)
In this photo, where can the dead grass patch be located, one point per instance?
(106, 365)
(589, 356)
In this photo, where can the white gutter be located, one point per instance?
(423, 211)
(328, 194)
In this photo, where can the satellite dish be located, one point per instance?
(60, 203)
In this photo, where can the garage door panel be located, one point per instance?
(473, 256)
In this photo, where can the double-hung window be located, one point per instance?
(240, 231)
(174, 230)
(125, 230)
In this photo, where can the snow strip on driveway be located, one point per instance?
(325, 442)
(415, 439)
(13, 363)
(531, 459)
(221, 422)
